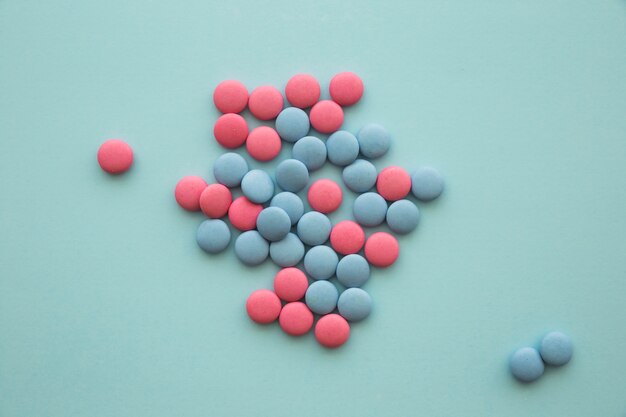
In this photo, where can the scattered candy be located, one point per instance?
(374, 140)
(354, 304)
(353, 271)
(231, 130)
(393, 183)
(360, 176)
(526, 364)
(273, 223)
(311, 151)
(229, 169)
(556, 349)
(288, 251)
(332, 331)
(291, 203)
(326, 116)
(290, 284)
(314, 228)
(427, 184)
(213, 236)
(263, 306)
(292, 175)
(369, 209)
(347, 237)
(381, 249)
(292, 124)
(295, 319)
(251, 248)
(325, 196)
(346, 88)
(243, 213)
(263, 143)
(320, 262)
(115, 156)
(230, 96)
(265, 102)
(402, 217)
(257, 186)
(302, 90)
(215, 200)
(321, 297)
(342, 148)
(188, 191)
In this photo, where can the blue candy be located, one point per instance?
(320, 262)
(257, 186)
(556, 349)
(369, 209)
(213, 236)
(311, 151)
(354, 304)
(314, 228)
(273, 223)
(426, 184)
(321, 297)
(526, 364)
(360, 176)
(403, 216)
(374, 140)
(292, 124)
(292, 175)
(229, 169)
(288, 251)
(353, 271)
(342, 148)
(251, 248)
(291, 203)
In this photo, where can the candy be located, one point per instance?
(288, 251)
(360, 176)
(273, 223)
(263, 143)
(354, 304)
(263, 306)
(353, 271)
(381, 249)
(314, 228)
(243, 213)
(213, 236)
(257, 186)
(526, 364)
(292, 124)
(115, 156)
(427, 184)
(321, 297)
(251, 248)
(332, 331)
(326, 116)
(556, 349)
(346, 88)
(230, 130)
(325, 196)
(342, 148)
(265, 102)
(290, 284)
(295, 319)
(374, 140)
(393, 183)
(369, 209)
(215, 201)
(230, 96)
(320, 262)
(347, 237)
(292, 175)
(302, 90)
(291, 203)
(311, 151)
(187, 192)
(402, 216)
(229, 169)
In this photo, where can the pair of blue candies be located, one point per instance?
(528, 363)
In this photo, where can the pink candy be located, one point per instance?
(115, 156)
(188, 191)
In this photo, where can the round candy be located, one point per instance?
(369, 209)
(374, 140)
(188, 191)
(347, 237)
(326, 116)
(346, 88)
(265, 102)
(314, 228)
(332, 331)
(353, 271)
(325, 196)
(302, 90)
(257, 186)
(263, 143)
(360, 176)
(321, 297)
(290, 284)
(213, 236)
(342, 148)
(292, 124)
(403, 216)
(291, 203)
(354, 304)
(229, 169)
(243, 213)
(311, 151)
(427, 184)
(381, 249)
(526, 364)
(115, 156)
(556, 349)
(230, 130)
(215, 201)
(320, 262)
(292, 175)
(263, 306)
(273, 223)
(288, 251)
(295, 319)
(230, 96)
(393, 183)
(251, 248)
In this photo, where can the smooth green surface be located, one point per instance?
(108, 308)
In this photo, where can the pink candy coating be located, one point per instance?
(393, 183)
(290, 284)
(242, 213)
(263, 306)
(325, 196)
(381, 249)
(230, 96)
(188, 191)
(265, 102)
(302, 90)
(230, 130)
(115, 156)
(263, 143)
(326, 116)
(332, 331)
(347, 237)
(215, 200)
(346, 88)
(295, 319)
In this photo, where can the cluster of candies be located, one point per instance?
(276, 225)
(527, 363)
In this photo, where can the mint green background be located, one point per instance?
(108, 308)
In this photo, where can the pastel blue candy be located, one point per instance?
(213, 236)
(321, 297)
(353, 271)
(360, 176)
(257, 186)
(314, 228)
(342, 148)
(369, 209)
(292, 124)
(251, 248)
(311, 151)
(288, 251)
(320, 262)
(229, 169)
(273, 223)
(426, 183)
(526, 364)
(292, 175)
(556, 349)
(291, 203)
(402, 216)
(354, 304)
(374, 140)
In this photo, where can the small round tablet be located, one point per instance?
(258, 186)
(374, 140)
(288, 251)
(291, 203)
(187, 192)
(393, 183)
(229, 169)
(292, 124)
(353, 271)
(360, 176)
(381, 249)
(325, 196)
(273, 223)
(354, 304)
(346, 88)
(526, 364)
(215, 201)
(115, 156)
(402, 216)
(427, 184)
(320, 262)
(265, 102)
(302, 90)
(295, 319)
(230, 130)
(347, 237)
(213, 236)
(251, 248)
(311, 151)
(230, 96)
(556, 349)
(292, 175)
(321, 297)
(332, 331)
(263, 306)
(243, 213)
(326, 116)
(342, 148)
(263, 143)
(290, 284)
(314, 228)
(369, 209)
